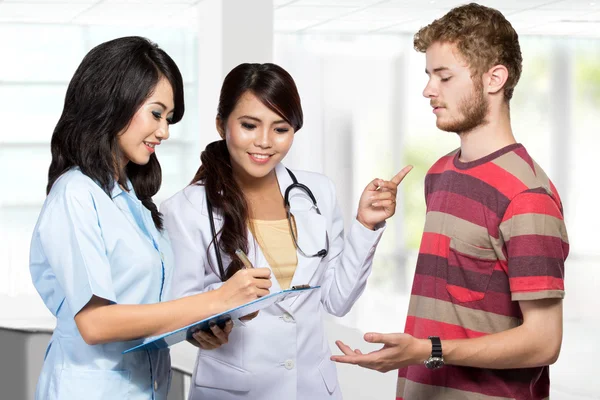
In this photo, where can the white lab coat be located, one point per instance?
(283, 353)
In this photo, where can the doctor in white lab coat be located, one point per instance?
(283, 352)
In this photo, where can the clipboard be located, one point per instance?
(170, 338)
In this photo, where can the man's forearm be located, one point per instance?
(514, 348)
(535, 343)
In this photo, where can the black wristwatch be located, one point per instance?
(435, 360)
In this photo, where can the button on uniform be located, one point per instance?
(288, 318)
(155, 385)
(289, 364)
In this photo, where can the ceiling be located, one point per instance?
(529, 17)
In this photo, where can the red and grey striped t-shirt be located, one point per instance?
(494, 235)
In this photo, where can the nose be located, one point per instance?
(162, 133)
(263, 138)
(430, 90)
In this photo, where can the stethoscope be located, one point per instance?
(295, 185)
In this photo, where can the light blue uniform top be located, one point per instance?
(85, 244)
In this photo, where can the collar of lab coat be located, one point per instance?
(309, 223)
(283, 177)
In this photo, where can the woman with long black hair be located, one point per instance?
(243, 197)
(99, 257)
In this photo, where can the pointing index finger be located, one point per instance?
(400, 175)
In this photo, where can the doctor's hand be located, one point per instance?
(244, 286)
(399, 350)
(378, 201)
(216, 338)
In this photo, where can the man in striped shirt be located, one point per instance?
(485, 314)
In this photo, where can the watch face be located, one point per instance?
(434, 363)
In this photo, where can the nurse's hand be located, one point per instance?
(244, 286)
(378, 201)
(213, 340)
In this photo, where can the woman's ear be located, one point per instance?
(220, 127)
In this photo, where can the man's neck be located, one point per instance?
(488, 138)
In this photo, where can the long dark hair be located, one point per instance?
(109, 86)
(276, 89)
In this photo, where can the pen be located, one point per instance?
(244, 258)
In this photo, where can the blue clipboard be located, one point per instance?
(167, 339)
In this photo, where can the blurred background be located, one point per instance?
(361, 82)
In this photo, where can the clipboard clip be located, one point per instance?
(298, 287)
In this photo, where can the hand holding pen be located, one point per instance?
(247, 265)
(246, 285)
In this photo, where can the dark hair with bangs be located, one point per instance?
(109, 86)
(276, 89)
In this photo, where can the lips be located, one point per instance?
(260, 158)
(150, 146)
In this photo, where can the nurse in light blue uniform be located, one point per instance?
(87, 244)
(99, 257)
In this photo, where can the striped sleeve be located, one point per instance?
(537, 246)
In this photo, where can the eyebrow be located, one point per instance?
(438, 69)
(162, 105)
(259, 120)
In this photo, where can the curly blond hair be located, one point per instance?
(483, 37)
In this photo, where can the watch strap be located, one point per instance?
(436, 347)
